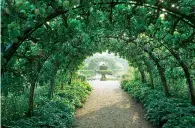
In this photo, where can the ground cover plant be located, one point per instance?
(162, 111)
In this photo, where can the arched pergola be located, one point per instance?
(154, 35)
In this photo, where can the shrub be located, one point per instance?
(76, 93)
(13, 107)
(82, 77)
(55, 113)
(51, 114)
(161, 110)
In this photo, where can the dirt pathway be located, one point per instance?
(110, 107)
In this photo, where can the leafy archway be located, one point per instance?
(42, 39)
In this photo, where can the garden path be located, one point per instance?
(108, 106)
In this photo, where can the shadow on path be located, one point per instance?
(109, 107)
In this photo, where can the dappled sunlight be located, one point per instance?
(135, 117)
(126, 106)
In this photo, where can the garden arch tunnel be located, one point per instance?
(58, 11)
(147, 33)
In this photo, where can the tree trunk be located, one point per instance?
(5, 86)
(52, 80)
(143, 76)
(70, 79)
(151, 80)
(190, 83)
(62, 86)
(33, 79)
(163, 79)
(149, 68)
(161, 71)
(51, 88)
(31, 100)
(187, 75)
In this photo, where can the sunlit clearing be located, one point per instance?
(104, 66)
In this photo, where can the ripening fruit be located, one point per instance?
(43, 12)
(37, 12)
(44, 5)
(66, 4)
(26, 26)
(7, 11)
(12, 25)
(23, 12)
(18, 4)
(9, 26)
(59, 3)
(176, 33)
(27, 3)
(32, 7)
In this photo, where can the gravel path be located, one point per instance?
(110, 107)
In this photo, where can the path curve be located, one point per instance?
(110, 107)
